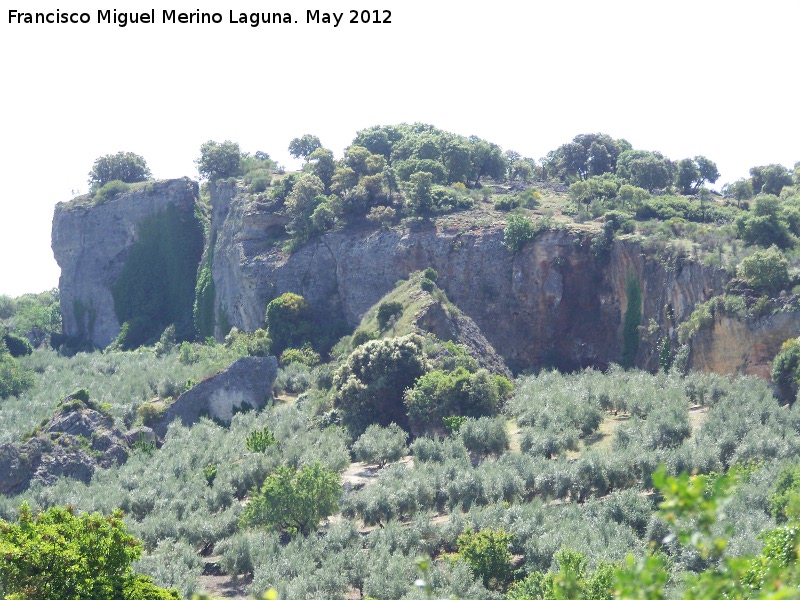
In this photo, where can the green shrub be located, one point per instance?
(453, 424)
(260, 439)
(143, 446)
(14, 379)
(110, 190)
(427, 285)
(370, 383)
(702, 316)
(506, 203)
(519, 229)
(17, 346)
(430, 273)
(765, 271)
(304, 356)
(150, 412)
(488, 555)
(440, 394)
(362, 337)
(294, 501)
(485, 435)
(294, 378)
(57, 554)
(381, 444)
(289, 322)
(784, 501)
(387, 310)
(210, 473)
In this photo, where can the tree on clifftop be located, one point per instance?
(219, 161)
(122, 166)
(304, 146)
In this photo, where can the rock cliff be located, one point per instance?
(560, 301)
(92, 244)
(555, 303)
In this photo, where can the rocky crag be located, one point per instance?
(74, 443)
(556, 302)
(560, 301)
(92, 243)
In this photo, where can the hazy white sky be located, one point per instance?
(717, 78)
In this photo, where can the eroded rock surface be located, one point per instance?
(245, 385)
(74, 443)
(91, 244)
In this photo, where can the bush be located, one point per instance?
(294, 501)
(294, 378)
(370, 383)
(260, 439)
(784, 501)
(381, 444)
(110, 190)
(387, 310)
(430, 273)
(426, 285)
(125, 167)
(485, 435)
(14, 379)
(304, 356)
(786, 366)
(506, 203)
(219, 161)
(17, 346)
(766, 271)
(440, 394)
(487, 553)
(361, 337)
(519, 229)
(289, 322)
(149, 412)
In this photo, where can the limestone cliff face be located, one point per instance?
(743, 346)
(554, 303)
(91, 245)
(557, 302)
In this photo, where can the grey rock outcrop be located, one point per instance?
(91, 244)
(553, 303)
(74, 443)
(245, 385)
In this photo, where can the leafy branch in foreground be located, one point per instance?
(57, 554)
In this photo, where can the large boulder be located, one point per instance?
(245, 385)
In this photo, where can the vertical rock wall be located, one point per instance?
(91, 244)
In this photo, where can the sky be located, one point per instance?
(686, 78)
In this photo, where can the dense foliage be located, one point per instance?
(219, 160)
(294, 501)
(370, 383)
(147, 300)
(58, 554)
(125, 167)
